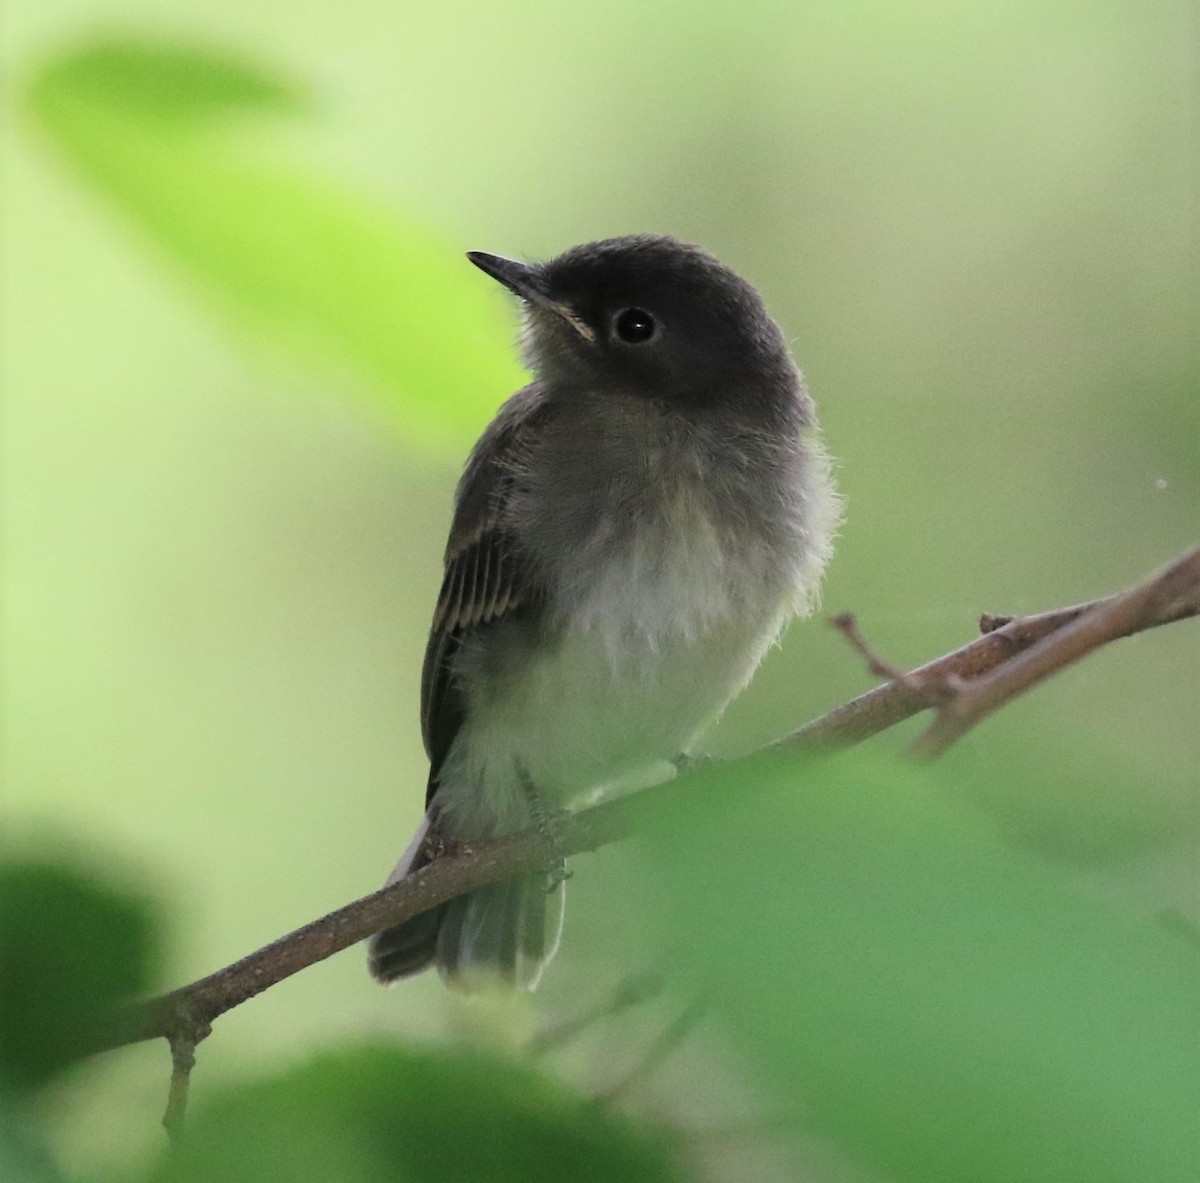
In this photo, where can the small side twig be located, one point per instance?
(633, 991)
(934, 689)
(668, 1040)
(846, 623)
(1154, 601)
(1004, 637)
(183, 1060)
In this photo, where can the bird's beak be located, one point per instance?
(525, 281)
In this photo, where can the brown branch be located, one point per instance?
(1160, 598)
(1004, 637)
(184, 1016)
(191, 1009)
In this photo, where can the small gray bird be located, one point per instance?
(630, 535)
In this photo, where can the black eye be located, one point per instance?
(634, 326)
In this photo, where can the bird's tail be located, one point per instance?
(507, 931)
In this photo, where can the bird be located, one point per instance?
(630, 535)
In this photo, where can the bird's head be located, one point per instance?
(649, 316)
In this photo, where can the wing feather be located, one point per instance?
(486, 578)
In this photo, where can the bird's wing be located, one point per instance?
(486, 577)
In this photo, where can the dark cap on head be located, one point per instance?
(649, 315)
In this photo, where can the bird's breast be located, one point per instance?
(664, 586)
(670, 576)
(649, 532)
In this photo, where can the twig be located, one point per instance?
(186, 1014)
(931, 690)
(633, 991)
(183, 1060)
(666, 1042)
(1154, 601)
(887, 705)
(846, 623)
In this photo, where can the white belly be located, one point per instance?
(654, 649)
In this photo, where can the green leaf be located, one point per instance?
(174, 137)
(167, 84)
(942, 1005)
(386, 1115)
(71, 949)
(23, 1159)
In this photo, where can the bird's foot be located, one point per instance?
(557, 875)
(552, 825)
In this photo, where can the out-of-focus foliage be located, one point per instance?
(162, 132)
(942, 1005)
(385, 1115)
(22, 1158)
(72, 948)
(973, 225)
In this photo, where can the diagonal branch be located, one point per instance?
(1004, 637)
(1046, 643)
(183, 1011)
(1166, 596)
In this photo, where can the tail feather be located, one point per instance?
(507, 930)
(407, 948)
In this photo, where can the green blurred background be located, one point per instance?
(977, 223)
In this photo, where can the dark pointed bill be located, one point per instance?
(520, 279)
(525, 281)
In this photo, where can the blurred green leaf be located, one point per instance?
(22, 1158)
(164, 132)
(71, 948)
(390, 1115)
(1067, 794)
(181, 84)
(942, 1005)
